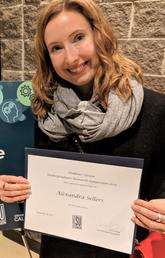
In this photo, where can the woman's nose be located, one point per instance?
(71, 55)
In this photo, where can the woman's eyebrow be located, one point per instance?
(53, 43)
(75, 32)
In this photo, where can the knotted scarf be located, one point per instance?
(70, 115)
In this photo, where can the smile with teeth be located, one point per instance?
(79, 69)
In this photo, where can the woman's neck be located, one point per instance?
(84, 92)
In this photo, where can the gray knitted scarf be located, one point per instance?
(85, 118)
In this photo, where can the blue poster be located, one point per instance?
(16, 133)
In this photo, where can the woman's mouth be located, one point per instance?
(78, 69)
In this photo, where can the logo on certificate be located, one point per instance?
(2, 214)
(77, 221)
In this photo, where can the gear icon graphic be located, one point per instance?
(25, 91)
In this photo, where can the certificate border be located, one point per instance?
(95, 158)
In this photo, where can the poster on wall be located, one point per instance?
(16, 133)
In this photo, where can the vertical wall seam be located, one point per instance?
(131, 21)
(163, 65)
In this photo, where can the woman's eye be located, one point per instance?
(56, 48)
(79, 37)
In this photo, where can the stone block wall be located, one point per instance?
(18, 19)
(139, 25)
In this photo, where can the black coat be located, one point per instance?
(145, 139)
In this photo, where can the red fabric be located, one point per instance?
(151, 247)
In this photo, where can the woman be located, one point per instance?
(89, 98)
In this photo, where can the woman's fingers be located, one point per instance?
(14, 199)
(150, 215)
(144, 222)
(14, 188)
(157, 205)
(150, 209)
(13, 179)
(1, 184)
(16, 193)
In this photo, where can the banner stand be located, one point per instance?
(25, 242)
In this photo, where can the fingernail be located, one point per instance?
(29, 192)
(27, 197)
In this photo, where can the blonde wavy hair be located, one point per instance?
(114, 69)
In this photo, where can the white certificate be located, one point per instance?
(83, 197)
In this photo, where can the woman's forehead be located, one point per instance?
(65, 24)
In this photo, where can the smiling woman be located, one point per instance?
(76, 44)
(89, 98)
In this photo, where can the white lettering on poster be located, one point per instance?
(2, 154)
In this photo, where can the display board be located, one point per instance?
(16, 133)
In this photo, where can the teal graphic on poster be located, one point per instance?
(15, 98)
(16, 133)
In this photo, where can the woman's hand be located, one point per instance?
(14, 188)
(150, 214)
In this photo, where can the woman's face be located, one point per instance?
(70, 42)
